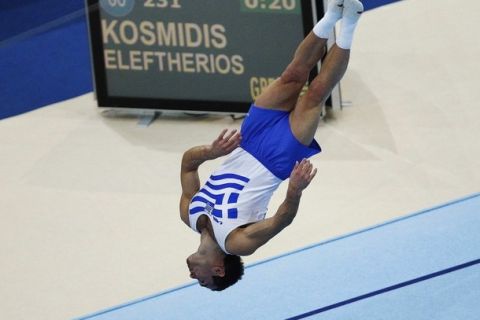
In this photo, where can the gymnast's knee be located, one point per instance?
(316, 94)
(295, 74)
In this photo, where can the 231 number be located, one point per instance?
(174, 4)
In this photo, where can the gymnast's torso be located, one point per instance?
(235, 195)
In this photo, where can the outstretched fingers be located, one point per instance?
(302, 174)
(225, 143)
(233, 140)
(222, 134)
(231, 134)
(307, 170)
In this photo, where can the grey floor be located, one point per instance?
(89, 201)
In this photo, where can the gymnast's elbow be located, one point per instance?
(243, 248)
(245, 252)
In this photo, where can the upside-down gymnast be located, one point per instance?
(274, 143)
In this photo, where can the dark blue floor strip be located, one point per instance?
(387, 289)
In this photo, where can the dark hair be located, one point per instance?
(233, 272)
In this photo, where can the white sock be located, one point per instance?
(323, 29)
(352, 9)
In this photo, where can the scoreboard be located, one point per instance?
(192, 55)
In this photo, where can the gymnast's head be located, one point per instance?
(216, 271)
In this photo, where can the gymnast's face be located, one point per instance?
(202, 270)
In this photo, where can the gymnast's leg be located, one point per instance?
(283, 93)
(305, 116)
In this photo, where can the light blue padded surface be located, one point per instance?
(330, 272)
(450, 297)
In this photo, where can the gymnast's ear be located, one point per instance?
(219, 271)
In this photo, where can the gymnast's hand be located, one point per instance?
(301, 176)
(225, 144)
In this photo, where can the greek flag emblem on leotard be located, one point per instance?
(219, 196)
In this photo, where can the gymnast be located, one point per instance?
(274, 143)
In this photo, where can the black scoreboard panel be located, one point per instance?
(195, 55)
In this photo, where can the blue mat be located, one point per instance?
(45, 69)
(44, 54)
(432, 254)
(17, 17)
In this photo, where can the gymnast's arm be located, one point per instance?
(246, 241)
(194, 157)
